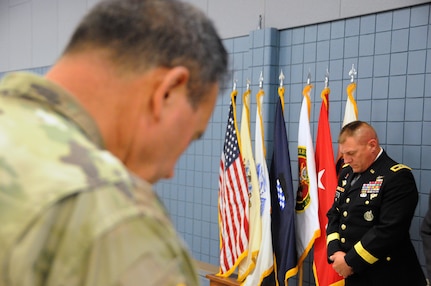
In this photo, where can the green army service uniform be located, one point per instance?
(70, 212)
(370, 221)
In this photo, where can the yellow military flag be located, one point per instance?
(255, 229)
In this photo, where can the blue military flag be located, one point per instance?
(282, 201)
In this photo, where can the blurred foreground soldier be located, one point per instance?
(136, 84)
(368, 225)
(426, 239)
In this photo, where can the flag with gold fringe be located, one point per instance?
(307, 222)
(350, 112)
(324, 274)
(255, 229)
(232, 198)
(283, 201)
(264, 263)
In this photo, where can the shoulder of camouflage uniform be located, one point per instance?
(397, 167)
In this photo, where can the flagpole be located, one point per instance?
(307, 197)
(259, 107)
(326, 89)
(350, 111)
(324, 274)
(352, 73)
(281, 89)
(233, 95)
(350, 93)
(232, 205)
(306, 94)
(255, 228)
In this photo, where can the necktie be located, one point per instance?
(356, 176)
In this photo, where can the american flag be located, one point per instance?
(233, 200)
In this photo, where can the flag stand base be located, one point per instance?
(222, 281)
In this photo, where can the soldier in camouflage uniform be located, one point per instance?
(368, 225)
(80, 148)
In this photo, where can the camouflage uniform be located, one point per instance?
(70, 212)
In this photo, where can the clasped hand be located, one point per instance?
(339, 264)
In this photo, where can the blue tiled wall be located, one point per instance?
(392, 54)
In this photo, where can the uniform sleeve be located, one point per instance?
(399, 201)
(426, 238)
(140, 251)
(332, 230)
(332, 234)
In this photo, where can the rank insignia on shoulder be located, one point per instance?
(398, 167)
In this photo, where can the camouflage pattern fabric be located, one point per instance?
(70, 212)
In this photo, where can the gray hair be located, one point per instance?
(141, 34)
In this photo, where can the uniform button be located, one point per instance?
(348, 200)
(388, 258)
(343, 226)
(367, 202)
(345, 213)
(343, 240)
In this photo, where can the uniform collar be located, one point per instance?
(378, 155)
(36, 88)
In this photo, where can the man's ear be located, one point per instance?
(175, 80)
(372, 143)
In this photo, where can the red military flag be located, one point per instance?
(324, 274)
